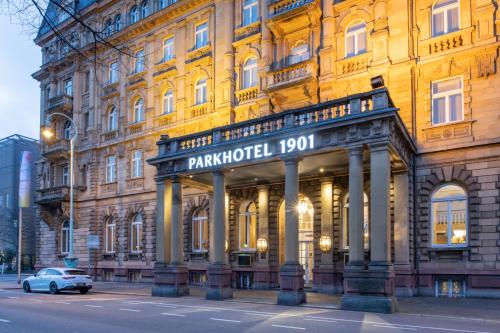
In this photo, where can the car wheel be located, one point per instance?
(84, 291)
(53, 288)
(26, 287)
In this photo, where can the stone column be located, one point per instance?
(356, 208)
(291, 273)
(402, 265)
(262, 276)
(172, 279)
(324, 274)
(219, 274)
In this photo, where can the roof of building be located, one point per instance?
(51, 16)
(16, 137)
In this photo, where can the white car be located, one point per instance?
(56, 279)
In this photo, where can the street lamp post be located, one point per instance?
(70, 261)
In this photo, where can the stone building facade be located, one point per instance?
(196, 72)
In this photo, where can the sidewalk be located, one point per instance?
(473, 308)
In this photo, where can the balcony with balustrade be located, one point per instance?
(52, 195)
(62, 103)
(56, 150)
(285, 16)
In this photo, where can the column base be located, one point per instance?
(170, 281)
(404, 280)
(369, 290)
(327, 280)
(291, 285)
(219, 282)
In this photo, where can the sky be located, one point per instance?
(19, 92)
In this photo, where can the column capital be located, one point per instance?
(263, 186)
(218, 172)
(326, 180)
(378, 146)
(355, 149)
(174, 179)
(291, 159)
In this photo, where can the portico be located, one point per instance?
(357, 137)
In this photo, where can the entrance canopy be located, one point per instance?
(317, 134)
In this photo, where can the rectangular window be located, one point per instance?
(168, 49)
(110, 237)
(445, 17)
(113, 72)
(86, 82)
(1, 200)
(137, 164)
(250, 11)
(450, 288)
(65, 176)
(447, 105)
(111, 169)
(139, 61)
(7, 201)
(68, 87)
(201, 35)
(200, 234)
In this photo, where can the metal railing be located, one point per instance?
(281, 7)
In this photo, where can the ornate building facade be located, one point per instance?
(376, 121)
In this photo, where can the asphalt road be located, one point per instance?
(107, 313)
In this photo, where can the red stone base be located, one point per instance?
(327, 280)
(219, 282)
(291, 285)
(369, 290)
(170, 280)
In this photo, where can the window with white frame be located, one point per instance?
(110, 236)
(200, 230)
(112, 119)
(345, 221)
(67, 130)
(299, 53)
(250, 73)
(168, 49)
(7, 200)
(111, 169)
(168, 102)
(355, 39)
(201, 35)
(247, 226)
(250, 11)
(445, 17)
(118, 22)
(65, 238)
(134, 15)
(113, 72)
(144, 9)
(108, 27)
(136, 234)
(447, 101)
(139, 110)
(65, 175)
(136, 164)
(449, 216)
(200, 91)
(68, 87)
(139, 61)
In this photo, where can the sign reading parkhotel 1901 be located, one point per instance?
(252, 152)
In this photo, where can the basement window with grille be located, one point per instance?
(452, 288)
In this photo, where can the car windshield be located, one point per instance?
(75, 272)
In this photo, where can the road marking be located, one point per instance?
(12, 297)
(166, 306)
(321, 320)
(93, 306)
(289, 327)
(130, 310)
(258, 314)
(4, 321)
(228, 320)
(396, 327)
(62, 303)
(207, 310)
(402, 325)
(35, 300)
(174, 314)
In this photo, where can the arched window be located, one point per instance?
(250, 11)
(67, 130)
(136, 234)
(449, 216)
(355, 39)
(110, 235)
(299, 53)
(445, 17)
(199, 223)
(250, 73)
(345, 220)
(118, 22)
(144, 9)
(139, 110)
(112, 119)
(108, 27)
(65, 237)
(168, 101)
(200, 91)
(247, 226)
(134, 15)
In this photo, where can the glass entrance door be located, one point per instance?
(306, 260)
